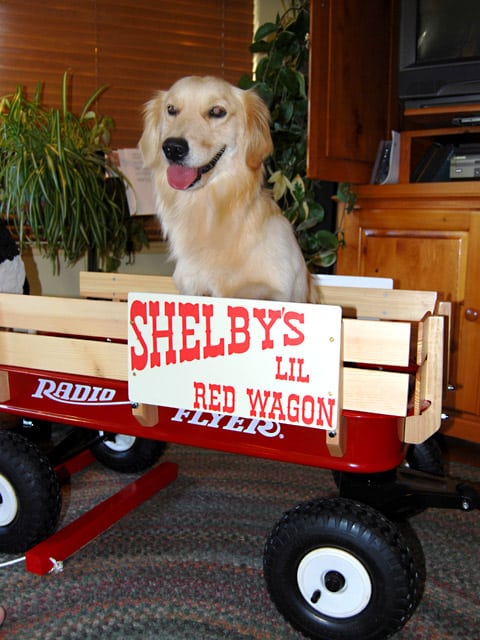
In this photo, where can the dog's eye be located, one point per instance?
(217, 112)
(171, 110)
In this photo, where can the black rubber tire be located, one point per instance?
(426, 457)
(30, 494)
(128, 454)
(324, 548)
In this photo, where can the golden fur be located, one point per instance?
(226, 234)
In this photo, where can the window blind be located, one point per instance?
(133, 46)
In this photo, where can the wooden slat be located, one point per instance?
(336, 441)
(373, 342)
(357, 302)
(444, 309)
(117, 286)
(375, 391)
(68, 355)
(421, 354)
(429, 384)
(70, 316)
(385, 304)
(146, 414)
(363, 390)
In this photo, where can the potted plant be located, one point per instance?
(58, 185)
(281, 78)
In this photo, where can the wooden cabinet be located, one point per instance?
(352, 86)
(427, 236)
(424, 235)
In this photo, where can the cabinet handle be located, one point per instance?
(472, 314)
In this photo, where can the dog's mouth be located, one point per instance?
(182, 178)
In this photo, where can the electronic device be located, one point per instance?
(439, 52)
(465, 167)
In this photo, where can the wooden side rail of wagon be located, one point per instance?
(412, 321)
(390, 337)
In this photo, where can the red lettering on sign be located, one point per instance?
(307, 409)
(258, 398)
(274, 315)
(211, 350)
(138, 310)
(213, 397)
(170, 353)
(298, 337)
(239, 323)
(188, 310)
(294, 373)
(167, 332)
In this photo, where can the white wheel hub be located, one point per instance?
(334, 582)
(8, 502)
(120, 443)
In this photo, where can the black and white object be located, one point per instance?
(387, 162)
(12, 269)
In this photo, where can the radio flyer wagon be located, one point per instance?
(353, 385)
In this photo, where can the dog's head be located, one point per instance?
(201, 126)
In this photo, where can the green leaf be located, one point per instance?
(289, 79)
(260, 47)
(326, 239)
(287, 43)
(265, 30)
(346, 195)
(286, 111)
(317, 212)
(302, 90)
(246, 82)
(306, 225)
(323, 259)
(265, 92)
(301, 26)
(274, 63)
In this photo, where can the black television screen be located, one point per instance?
(439, 52)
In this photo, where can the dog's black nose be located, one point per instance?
(175, 149)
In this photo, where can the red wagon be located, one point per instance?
(335, 567)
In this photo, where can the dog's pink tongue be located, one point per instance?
(181, 177)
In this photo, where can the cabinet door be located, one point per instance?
(352, 62)
(417, 259)
(433, 256)
(466, 375)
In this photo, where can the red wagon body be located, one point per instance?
(103, 404)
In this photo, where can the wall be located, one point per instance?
(42, 281)
(266, 11)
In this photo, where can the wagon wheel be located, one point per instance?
(338, 570)
(30, 495)
(128, 454)
(426, 457)
(378, 489)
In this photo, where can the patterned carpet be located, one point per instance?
(187, 565)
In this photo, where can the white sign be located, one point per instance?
(250, 358)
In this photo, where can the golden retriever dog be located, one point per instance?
(205, 141)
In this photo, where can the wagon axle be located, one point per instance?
(404, 491)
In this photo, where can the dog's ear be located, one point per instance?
(150, 141)
(258, 138)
